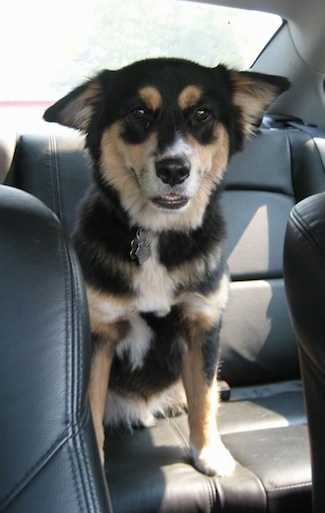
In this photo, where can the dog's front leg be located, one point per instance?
(105, 339)
(99, 377)
(208, 452)
(199, 367)
(108, 329)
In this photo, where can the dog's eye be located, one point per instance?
(202, 116)
(139, 114)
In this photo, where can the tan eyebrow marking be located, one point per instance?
(190, 96)
(151, 97)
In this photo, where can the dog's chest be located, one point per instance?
(153, 285)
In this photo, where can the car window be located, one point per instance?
(52, 46)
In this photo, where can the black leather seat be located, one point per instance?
(49, 460)
(264, 422)
(304, 266)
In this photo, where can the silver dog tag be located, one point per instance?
(140, 248)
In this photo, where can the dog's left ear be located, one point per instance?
(77, 108)
(253, 93)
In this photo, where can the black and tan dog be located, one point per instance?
(150, 236)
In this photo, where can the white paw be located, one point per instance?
(213, 459)
(147, 419)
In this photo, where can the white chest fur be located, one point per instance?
(153, 291)
(153, 286)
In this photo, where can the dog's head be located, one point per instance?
(161, 132)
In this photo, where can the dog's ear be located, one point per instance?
(76, 109)
(253, 93)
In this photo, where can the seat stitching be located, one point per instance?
(288, 487)
(78, 476)
(34, 470)
(303, 227)
(55, 176)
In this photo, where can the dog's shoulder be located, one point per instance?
(102, 239)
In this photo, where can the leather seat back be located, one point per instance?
(304, 266)
(49, 458)
(262, 185)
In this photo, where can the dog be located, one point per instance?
(160, 133)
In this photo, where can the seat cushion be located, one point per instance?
(150, 469)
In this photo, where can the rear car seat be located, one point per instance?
(304, 273)
(264, 422)
(49, 462)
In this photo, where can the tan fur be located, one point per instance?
(202, 311)
(157, 287)
(79, 112)
(131, 166)
(213, 158)
(124, 163)
(156, 202)
(202, 398)
(184, 273)
(189, 97)
(252, 97)
(105, 308)
(100, 369)
(151, 97)
(209, 454)
(208, 451)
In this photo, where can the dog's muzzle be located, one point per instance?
(172, 172)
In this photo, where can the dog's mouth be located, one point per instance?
(170, 201)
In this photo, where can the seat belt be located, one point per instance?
(312, 130)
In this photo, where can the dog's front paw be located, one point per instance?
(213, 459)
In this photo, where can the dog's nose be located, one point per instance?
(172, 171)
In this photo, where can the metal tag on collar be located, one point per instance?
(140, 248)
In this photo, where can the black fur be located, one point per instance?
(171, 299)
(162, 364)
(174, 75)
(104, 232)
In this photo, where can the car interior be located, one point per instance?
(272, 378)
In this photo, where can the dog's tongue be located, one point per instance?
(171, 201)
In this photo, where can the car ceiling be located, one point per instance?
(306, 20)
(296, 52)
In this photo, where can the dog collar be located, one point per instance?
(140, 248)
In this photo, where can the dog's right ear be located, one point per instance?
(77, 108)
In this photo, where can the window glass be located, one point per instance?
(49, 47)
